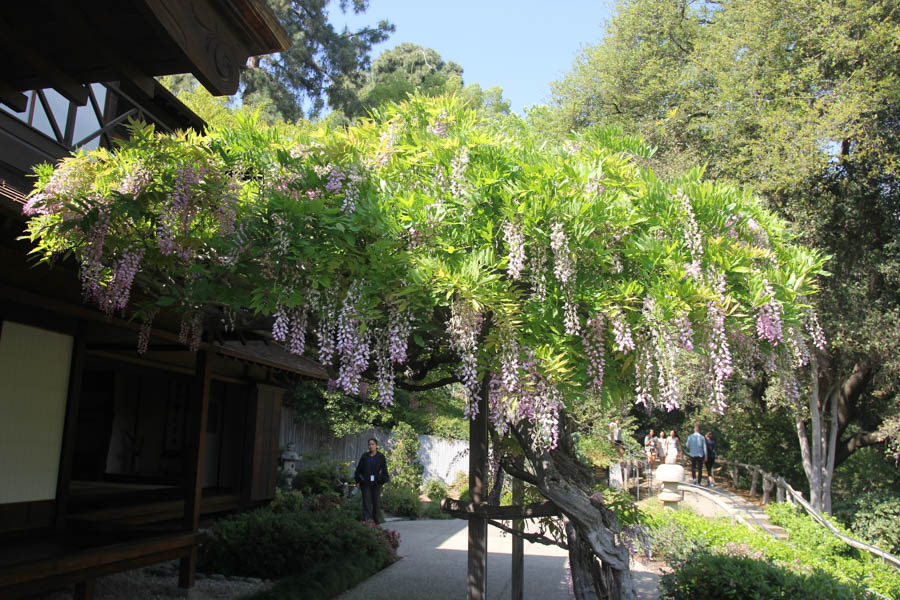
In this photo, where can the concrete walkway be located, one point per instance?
(433, 567)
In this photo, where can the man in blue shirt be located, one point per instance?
(371, 474)
(696, 447)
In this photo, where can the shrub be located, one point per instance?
(402, 457)
(873, 517)
(271, 544)
(711, 575)
(436, 490)
(401, 501)
(807, 548)
(325, 476)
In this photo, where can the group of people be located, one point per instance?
(667, 449)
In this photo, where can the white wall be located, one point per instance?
(441, 458)
(34, 381)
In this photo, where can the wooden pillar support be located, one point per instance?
(476, 580)
(517, 584)
(193, 483)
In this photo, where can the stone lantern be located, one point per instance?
(671, 476)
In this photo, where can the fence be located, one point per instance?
(441, 458)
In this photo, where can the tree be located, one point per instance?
(321, 64)
(798, 99)
(411, 69)
(426, 248)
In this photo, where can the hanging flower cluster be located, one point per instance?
(515, 240)
(799, 349)
(595, 350)
(684, 332)
(768, 319)
(464, 327)
(538, 272)
(563, 265)
(191, 329)
(815, 330)
(693, 236)
(720, 356)
(643, 377)
(352, 344)
(136, 181)
(458, 173)
(178, 213)
(290, 326)
(533, 398)
(621, 332)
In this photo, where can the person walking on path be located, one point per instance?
(371, 474)
(696, 447)
(661, 446)
(650, 448)
(672, 448)
(710, 458)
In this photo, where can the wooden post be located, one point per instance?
(70, 428)
(518, 544)
(476, 580)
(754, 481)
(734, 476)
(193, 484)
(779, 492)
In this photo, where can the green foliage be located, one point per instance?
(412, 245)
(712, 576)
(678, 534)
(873, 517)
(799, 100)
(409, 69)
(436, 490)
(868, 472)
(402, 458)
(401, 500)
(324, 475)
(322, 62)
(269, 544)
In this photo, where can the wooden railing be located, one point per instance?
(784, 492)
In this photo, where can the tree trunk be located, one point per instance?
(566, 482)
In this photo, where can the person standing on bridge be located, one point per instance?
(371, 474)
(696, 447)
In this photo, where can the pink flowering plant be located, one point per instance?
(424, 248)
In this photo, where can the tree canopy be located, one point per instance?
(799, 100)
(474, 244)
(427, 247)
(322, 64)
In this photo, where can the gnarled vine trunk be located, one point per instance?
(598, 559)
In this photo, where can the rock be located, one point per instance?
(200, 576)
(254, 580)
(217, 577)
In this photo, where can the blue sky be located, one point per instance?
(521, 46)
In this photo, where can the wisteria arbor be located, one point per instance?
(424, 248)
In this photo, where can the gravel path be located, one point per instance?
(160, 582)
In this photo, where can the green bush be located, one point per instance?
(873, 517)
(674, 532)
(401, 501)
(272, 544)
(324, 476)
(436, 490)
(709, 576)
(402, 458)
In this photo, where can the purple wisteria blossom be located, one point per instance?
(768, 319)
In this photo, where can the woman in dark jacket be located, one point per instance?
(371, 474)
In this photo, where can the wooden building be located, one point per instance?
(109, 459)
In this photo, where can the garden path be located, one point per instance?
(433, 567)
